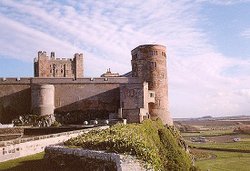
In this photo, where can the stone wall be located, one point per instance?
(15, 100)
(64, 157)
(88, 95)
(134, 100)
(28, 146)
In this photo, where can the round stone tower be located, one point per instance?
(149, 63)
(42, 98)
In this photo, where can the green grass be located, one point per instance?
(32, 162)
(218, 160)
(225, 161)
(209, 133)
(242, 145)
(150, 141)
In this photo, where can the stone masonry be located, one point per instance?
(45, 66)
(59, 87)
(149, 64)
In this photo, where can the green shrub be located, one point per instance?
(33, 120)
(56, 124)
(150, 141)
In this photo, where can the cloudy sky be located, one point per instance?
(208, 44)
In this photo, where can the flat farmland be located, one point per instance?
(223, 161)
(214, 135)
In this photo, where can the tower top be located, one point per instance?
(157, 46)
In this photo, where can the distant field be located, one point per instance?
(222, 139)
(220, 135)
(243, 145)
(209, 133)
(215, 123)
(225, 161)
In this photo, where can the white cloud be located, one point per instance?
(201, 80)
(224, 2)
(246, 33)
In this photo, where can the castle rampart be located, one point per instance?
(87, 80)
(89, 95)
(59, 87)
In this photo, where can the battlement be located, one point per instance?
(43, 55)
(90, 80)
(156, 46)
(78, 55)
(148, 51)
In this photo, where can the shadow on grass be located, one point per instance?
(43, 165)
(36, 165)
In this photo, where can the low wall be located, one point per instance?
(9, 131)
(28, 146)
(65, 157)
(53, 130)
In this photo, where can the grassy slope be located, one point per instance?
(226, 161)
(150, 141)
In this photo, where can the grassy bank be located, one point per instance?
(150, 141)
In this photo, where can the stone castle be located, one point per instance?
(60, 87)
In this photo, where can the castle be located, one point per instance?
(60, 87)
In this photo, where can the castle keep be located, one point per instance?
(59, 87)
(45, 66)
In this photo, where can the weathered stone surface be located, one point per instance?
(65, 157)
(45, 66)
(42, 97)
(149, 64)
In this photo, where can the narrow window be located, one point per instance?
(65, 70)
(135, 56)
(151, 94)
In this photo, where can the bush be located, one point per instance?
(56, 124)
(34, 120)
(150, 141)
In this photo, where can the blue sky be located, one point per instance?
(207, 44)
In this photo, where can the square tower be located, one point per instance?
(45, 66)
